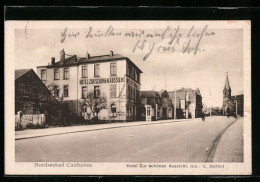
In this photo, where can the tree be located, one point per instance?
(95, 103)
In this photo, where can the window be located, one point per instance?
(130, 92)
(164, 99)
(134, 74)
(113, 90)
(130, 71)
(138, 77)
(96, 92)
(66, 73)
(25, 89)
(84, 72)
(56, 91)
(96, 70)
(113, 69)
(66, 91)
(84, 92)
(113, 110)
(56, 74)
(182, 104)
(133, 94)
(43, 75)
(137, 95)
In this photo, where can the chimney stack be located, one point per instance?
(87, 55)
(52, 60)
(62, 56)
(111, 53)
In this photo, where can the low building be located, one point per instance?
(113, 77)
(31, 95)
(156, 105)
(188, 103)
(33, 100)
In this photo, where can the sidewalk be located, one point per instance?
(230, 147)
(33, 133)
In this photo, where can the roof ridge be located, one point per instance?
(25, 71)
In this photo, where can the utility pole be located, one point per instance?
(165, 81)
(175, 104)
(210, 104)
(236, 107)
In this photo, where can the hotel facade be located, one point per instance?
(112, 76)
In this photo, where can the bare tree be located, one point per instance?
(95, 103)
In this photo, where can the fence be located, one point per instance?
(26, 119)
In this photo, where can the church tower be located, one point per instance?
(226, 95)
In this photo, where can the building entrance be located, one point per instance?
(148, 113)
(164, 113)
(85, 113)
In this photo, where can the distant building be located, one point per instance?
(188, 102)
(114, 76)
(232, 104)
(156, 105)
(31, 95)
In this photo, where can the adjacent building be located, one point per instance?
(232, 104)
(112, 76)
(31, 95)
(188, 102)
(155, 105)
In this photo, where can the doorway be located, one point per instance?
(148, 113)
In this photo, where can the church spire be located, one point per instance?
(227, 86)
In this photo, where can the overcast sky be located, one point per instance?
(223, 52)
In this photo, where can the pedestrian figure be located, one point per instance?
(203, 116)
(228, 112)
(235, 115)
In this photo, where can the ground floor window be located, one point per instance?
(56, 91)
(96, 91)
(66, 91)
(113, 90)
(84, 92)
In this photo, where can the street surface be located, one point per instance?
(180, 141)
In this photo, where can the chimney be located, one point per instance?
(52, 60)
(87, 55)
(111, 53)
(62, 56)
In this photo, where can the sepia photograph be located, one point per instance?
(128, 97)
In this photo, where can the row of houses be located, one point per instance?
(107, 87)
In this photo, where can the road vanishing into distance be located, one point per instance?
(180, 141)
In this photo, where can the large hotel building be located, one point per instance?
(113, 76)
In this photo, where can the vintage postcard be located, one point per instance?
(128, 98)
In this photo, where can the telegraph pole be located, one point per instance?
(236, 107)
(210, 104)
(175, 104)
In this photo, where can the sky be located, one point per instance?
(220, 53)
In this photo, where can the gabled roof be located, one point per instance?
(172, 93)
(73, 60)
(150, 93)
(20, 72)
(163, 92)
(101, 58)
